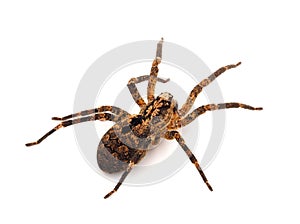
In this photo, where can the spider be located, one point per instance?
(127, 141)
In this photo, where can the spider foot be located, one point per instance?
(109, 194)
(237, 64)
(57, 118)
(31, 144)
(165, 80)
(208, 185)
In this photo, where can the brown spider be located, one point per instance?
(127, 142)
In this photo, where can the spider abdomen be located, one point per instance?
(113, 155)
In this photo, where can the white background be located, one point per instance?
(45, 49)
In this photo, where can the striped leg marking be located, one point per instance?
(154, 72)
(198, 88)
(133, 161)
(210, 107)
(115, 110)
(100, 116)
(180, 140)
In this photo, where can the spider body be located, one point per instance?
(129, 139)
(136, 134)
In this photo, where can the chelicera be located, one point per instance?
(129, 139)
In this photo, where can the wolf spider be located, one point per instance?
(128, 140)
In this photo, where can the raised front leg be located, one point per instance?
(180, 140)
(198, 88)
(134, 91)
(154, 72)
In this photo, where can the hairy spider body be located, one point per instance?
(129, 139)
(135, 134)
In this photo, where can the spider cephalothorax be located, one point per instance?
(159, 113)
(128, 140)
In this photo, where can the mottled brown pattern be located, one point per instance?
(113, 155)
(128, 140)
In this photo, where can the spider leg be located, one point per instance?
(198, 88)
(124, 175)
(115, 110)
(154, 72)
(131, 164)
(134, 91)
(210, 107)
(175, 134)
(99, 116)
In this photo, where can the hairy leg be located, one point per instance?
(131, 164)
(115, 110)
(154, 71)
(180, 140)
(198, 88)
(134, 91)
(99, 116)
(210, 107)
